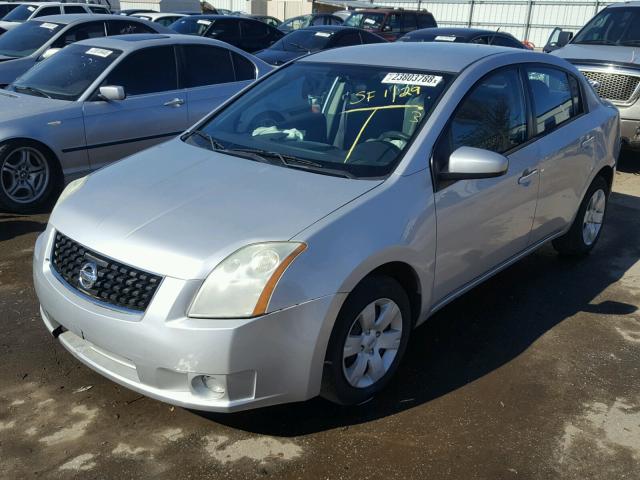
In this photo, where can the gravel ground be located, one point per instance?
(533, 375)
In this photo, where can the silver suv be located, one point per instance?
(606, 52)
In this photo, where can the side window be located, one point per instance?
(124, 27)
(96, 9)
(395, 22)
(204, 65)
(350, 38)
(43, 12)
(577, 95)
(254, 29)
(482, 39)
(552, 97)
(146, 71)
(501, 41)
(426, 20)
(80, 32)
(492, 117)
(74, 9)
(166, 21)
(222, 29)
(410, 22)
(319, 20)
(245, 70)
(334, 20)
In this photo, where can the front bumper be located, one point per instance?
(163, 354)
(630, 132)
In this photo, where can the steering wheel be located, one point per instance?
(394, 135)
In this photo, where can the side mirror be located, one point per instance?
(468, 163)
(112, 93)
(386, 28)
(564, 38)
(49, 53)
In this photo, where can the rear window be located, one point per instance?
(192, 26)
(20, 14)
(25, 39)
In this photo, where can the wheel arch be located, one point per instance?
(607, 173)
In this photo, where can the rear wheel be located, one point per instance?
(367, 342)
(27, 176)
(587, 226)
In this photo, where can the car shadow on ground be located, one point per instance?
(480, 332)
(12, 226)
(629, 162)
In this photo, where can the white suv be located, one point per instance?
(27, 11)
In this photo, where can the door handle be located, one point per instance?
(525, 179)
(176, 102)
(587, 141)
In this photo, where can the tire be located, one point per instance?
(376, 295)
(28, 177)
(587, 226)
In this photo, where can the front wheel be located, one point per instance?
(368, 341)
(587, 226)
(27, 176)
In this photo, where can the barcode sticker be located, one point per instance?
(423, 79)
(445, 38)
(99, 52)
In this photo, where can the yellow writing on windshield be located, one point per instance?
(390, 94)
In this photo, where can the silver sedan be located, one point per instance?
(287, 245)
(100, 100)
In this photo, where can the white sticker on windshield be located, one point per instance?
(31, 9)
(99, 52)
(370, 21)
(204, 22)
(322, 34)
(423, 79)
(50, 26)
(445, 38)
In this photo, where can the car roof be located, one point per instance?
(68, 19)
(136, 41)
(437, 56)
(328, 28)
(218, 17)
(460, 32)
(624, 4)
(156, 14)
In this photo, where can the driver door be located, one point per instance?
(482, 223)
(153, 111)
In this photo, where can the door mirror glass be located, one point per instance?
(473, 163)
(49, 53)
(564, 38)
(112, 93)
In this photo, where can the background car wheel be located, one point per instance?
(28, 176)
(367, 342)
(587, 226)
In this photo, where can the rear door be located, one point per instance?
(154, 110)
(211, 75)
(567, 142)
(484, 222)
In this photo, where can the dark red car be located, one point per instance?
(391, 23)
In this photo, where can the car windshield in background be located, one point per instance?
(303, 40)
(20, 14)
(365, 20)
(613, 26)
(335, 119)
(67, 74)
(191, 26)
(27, 38)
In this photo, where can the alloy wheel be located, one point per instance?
(593, 217)
(24, 175)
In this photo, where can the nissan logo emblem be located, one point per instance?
(88, 275)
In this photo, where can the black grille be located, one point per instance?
(117, 284)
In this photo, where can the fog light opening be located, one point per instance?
(215, 385)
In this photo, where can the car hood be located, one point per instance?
(15, 106)
(178, 210)
(277, 57)
(577, 53)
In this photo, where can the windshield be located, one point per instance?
(191, 26)
(67, 74)
(365, 20)
(303, 40)
(27, 38)
(349, 120)
(20, 14)
(612, 26)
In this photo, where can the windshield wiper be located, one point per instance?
(630, 43)
(22, 88)
(215, 144)
(294, 162)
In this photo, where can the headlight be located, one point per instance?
(70, 189)
(242, 284)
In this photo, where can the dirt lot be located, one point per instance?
(534, 375)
